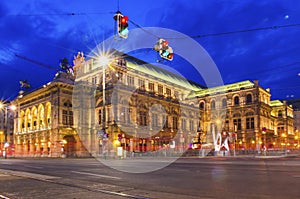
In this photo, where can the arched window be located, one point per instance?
(48, 113)
(41, 115)
(22, 120)
(34, 114)
(201, 106)
(224, 103)
(28, 119)
(236, 100)
(249, 99)
(213, 104)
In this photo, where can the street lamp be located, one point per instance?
(103, 59)
(5, 107)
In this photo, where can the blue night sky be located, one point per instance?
(46, 31)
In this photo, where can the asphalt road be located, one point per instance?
(186, 178)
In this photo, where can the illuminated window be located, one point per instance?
(160, 89)
(130, 80)
(237, 123)
(67, 117)
(151, 87)
(141, 84)
(250, 123)
(168, 92)
(143, 118)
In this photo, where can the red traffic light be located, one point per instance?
(165, 43)
(170, 56)
(124, 19)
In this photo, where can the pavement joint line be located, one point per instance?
(98, 175)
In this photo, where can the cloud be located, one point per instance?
(7, 53)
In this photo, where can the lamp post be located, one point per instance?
(104, 61)
(5, 107)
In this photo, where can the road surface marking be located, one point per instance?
(6, 163)
(34, 167)
(3, 197)
(98, 175)
(28, 175)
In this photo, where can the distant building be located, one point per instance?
(295, 103)
(296, 107)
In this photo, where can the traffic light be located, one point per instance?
(167, 54)
(164, 50)
(122, 22)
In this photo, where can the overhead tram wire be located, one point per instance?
(63, 14)
(247, 30)
(138, 26)
(224, 33)
(194, 36)
(271, 69)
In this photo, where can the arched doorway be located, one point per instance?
(70, 146)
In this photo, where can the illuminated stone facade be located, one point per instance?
(191, 111)
(44, 121)
(244, 108)
(144, 105)
(144, 108)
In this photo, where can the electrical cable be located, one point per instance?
(62, 14)
(224, 33)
